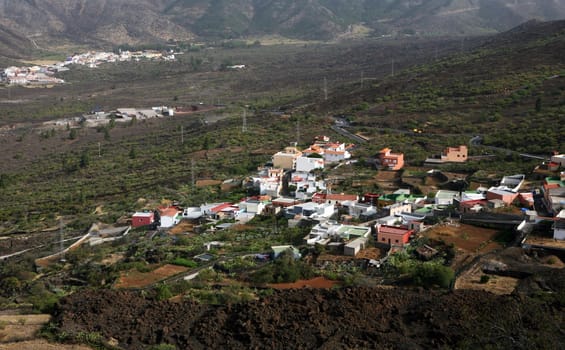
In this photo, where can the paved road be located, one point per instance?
(477, 141)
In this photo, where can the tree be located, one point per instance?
(84, 159)
(10, 286)
(106, 134)
(73, 134)
(132, 153)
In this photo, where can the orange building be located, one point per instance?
(394, 235)
(391, 161)
(455, 154)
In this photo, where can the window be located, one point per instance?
(396, 241)
(383, 239)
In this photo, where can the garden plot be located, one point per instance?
(135, 279)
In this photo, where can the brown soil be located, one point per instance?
(318, 282)
(136, 279)
(470, 241)
(465, 237)
(15, 328)
(471, 279)
(351, 318)
(41, 345)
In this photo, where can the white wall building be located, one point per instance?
(307, 164)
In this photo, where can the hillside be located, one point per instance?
(108, 23)
(506, 85)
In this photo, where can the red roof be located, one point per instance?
(341, 197)
(395, 230)
(220, 207)
(169, 211)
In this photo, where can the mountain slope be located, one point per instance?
(111, 22)
(508, 88)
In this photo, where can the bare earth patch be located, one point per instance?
(471, 279)
(136, 279)
(41, 345)
(15, 329)
(469, 241)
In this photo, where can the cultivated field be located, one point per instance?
(136, 279)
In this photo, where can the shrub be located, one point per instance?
(431, 274)
(184, 262)
(484, 279)
(163, 292)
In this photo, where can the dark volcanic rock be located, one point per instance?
(321, 319)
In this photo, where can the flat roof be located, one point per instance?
(144, 214)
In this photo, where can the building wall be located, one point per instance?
(138, 221)
(455, 154)
(306, 164)
(393, 239)
(506, 198)
(168, 221)
(559, 234)
(287, 158)
(559, 158)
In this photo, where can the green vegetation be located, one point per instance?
(427, 274)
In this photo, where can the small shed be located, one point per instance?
(140, 219)
(355, 246)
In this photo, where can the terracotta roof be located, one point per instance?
(394, 230)
(220, 207)
(341, 197)
(170, 211)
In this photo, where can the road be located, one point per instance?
(477, 141)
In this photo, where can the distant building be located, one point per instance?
(559, 159)
(389, 160)
(140, 219)
(286, 159)
(170, 216)
(559, 226)
(455, 154)
(394, 235)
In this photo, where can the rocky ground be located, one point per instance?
(352, 318)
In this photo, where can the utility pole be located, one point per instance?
(182, 135)
(61, 236)
(325, 89)
(244, 126)
(99, 150)
(192, 174)
(297, 131)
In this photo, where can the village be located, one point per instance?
(44, 75)
(344, 231)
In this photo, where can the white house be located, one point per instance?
(169, 217)
(444, 197)
(307, 164)
(559, 226)
(324, 232)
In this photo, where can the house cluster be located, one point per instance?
(34, 75)
(292, 185)
(508, 192)
(99, 117)
(93, 59)
(44, 74)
